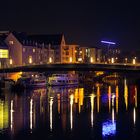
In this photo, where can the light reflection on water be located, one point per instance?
(70, 110)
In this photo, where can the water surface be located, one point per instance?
(95, 111)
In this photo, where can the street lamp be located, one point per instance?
(134, 61)
(11, 61)
(91, 59)
(112, 60)
(126, 60)
(50, 59)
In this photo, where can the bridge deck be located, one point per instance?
(76, 67)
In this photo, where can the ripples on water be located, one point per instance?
(101, 111)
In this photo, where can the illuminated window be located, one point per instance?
(33, 50)
(11, 61)
(4, 53)
(70, 59)
(30, 59)
(24, 50)
(79, 59)
(50, 59)
(11, 42)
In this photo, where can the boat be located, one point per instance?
(62, 79)
(31, 81)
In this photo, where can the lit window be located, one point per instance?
(30, 59)
(11, 42)
(4, 53)
(23, 49)
(70, 59)
(33, 50)
(50, 59)
(11, 61)
(79, 59)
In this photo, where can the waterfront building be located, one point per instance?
(110, 54)
(70, 54)
(89, 54)
(34, 49)
(4, 52)
(40, 49)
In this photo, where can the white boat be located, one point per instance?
(63, 79)
(38, 81)
(31, 81)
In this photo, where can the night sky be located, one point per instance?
(84, 22)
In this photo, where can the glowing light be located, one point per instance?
(126, 93)
(109, 97)
(134, 115)
(108, 42)
(108, 129)
(11, 115)
(79, 59)
(50, 59)
(113, 97)
(4, 53)
(98, 99)
(1, 115)
(51, 117)
(31, 114)
(113, 115)
(126, 60)
(11, 62)
(70, 59)
(4, 117)
(58, 100)
(92, 107)
(112, 60)
(117, 95)
(91, 59)
(134, 61)
(30, 59)
(71, 113)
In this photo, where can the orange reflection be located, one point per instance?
(58, 101)
(98, 98)
(92, 107)
(117, 95)
(109, 97)
(126, 93)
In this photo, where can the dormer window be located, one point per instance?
(33, 50)
(11, 42)
(24, 50)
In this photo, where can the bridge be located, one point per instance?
(76, 67)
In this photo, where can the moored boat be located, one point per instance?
(31, 81)
(62, 79)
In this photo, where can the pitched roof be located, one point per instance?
(54, 39)
(2, 41)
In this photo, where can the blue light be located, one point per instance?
(108, 128)
(108, 42)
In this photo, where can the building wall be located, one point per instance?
(15, 50)
(93, 55)
(98, 55)
(69, 54)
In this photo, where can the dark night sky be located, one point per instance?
(84, 22)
